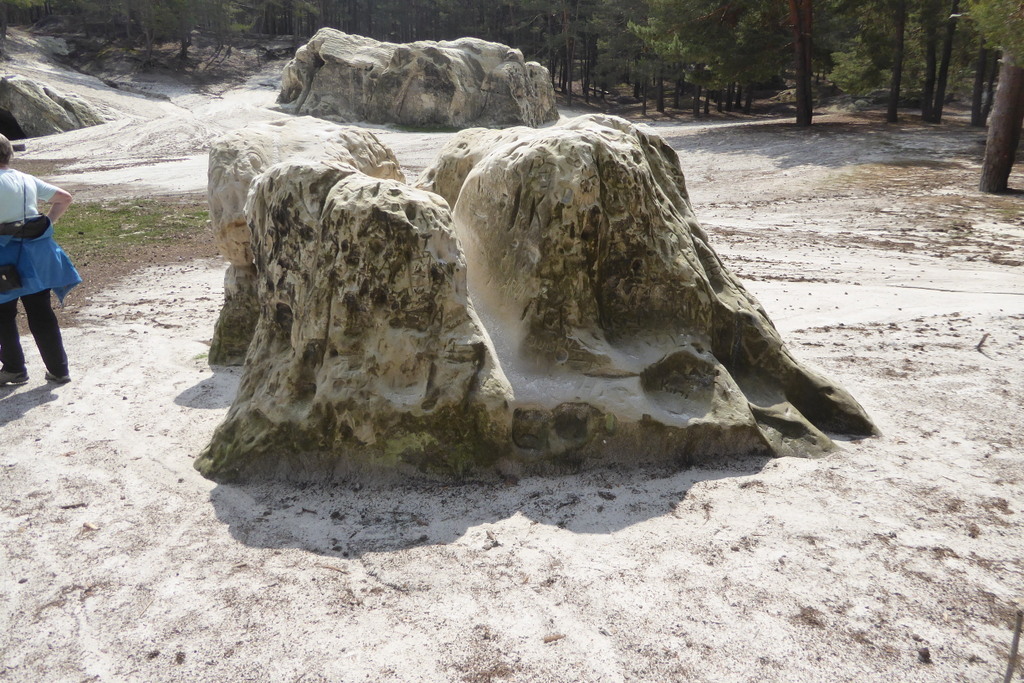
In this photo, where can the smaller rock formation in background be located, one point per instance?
(452, 84)
(582, 317)
(29, 109)
(236, 159)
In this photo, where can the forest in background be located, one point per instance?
(694, 54)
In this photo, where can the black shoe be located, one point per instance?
(13, 377)
(59, 379)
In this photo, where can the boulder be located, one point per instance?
(236, 159)
(30, 109)
(593, 324)
(367, 354)
(452, 84)
(607, 301)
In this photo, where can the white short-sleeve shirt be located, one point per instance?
(19, 193)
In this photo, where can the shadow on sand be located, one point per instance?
(14, 404)
(214, 392)
(346, 519)
(832, 144)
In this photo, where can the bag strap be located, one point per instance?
(24, 214)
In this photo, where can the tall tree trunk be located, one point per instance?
(677, 93)
(1004, 129)
(552, 50)
(3, 29)
(800, 16)
(569, 49)
(947, 55)
(928, 92)
(697, 90)
(585, 70)
(978, 94)
(661, 90)
(892, 115)
(748, 104)
(990, 90)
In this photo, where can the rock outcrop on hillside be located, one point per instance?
(452, 84)
(29, 109)
(581, 317)
(236, 159)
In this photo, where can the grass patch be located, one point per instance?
(41, 168)
(113, 228)
(424, 128)
(109, 240)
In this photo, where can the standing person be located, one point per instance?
(42, 267)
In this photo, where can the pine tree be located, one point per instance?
(722, 43)
(1002, 24)
(5, 7)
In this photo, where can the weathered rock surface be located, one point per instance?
(599, 325)
(236, 159)
(367, 353)
(468, 147)
(460, 154)
(461, 83)
(34, 109)
(607, 302)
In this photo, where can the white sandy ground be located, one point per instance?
(868, 246)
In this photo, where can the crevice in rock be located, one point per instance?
(307, 85)
(10, 127)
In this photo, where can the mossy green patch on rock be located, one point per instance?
(451, 443)
(237, 320)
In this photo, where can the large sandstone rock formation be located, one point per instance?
(368, 354)
(30, 109)
(605, 296)
(467, 82)
(599, 326)
(236, 159)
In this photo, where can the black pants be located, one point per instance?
(42, 323)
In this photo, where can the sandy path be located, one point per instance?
(119, 562)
